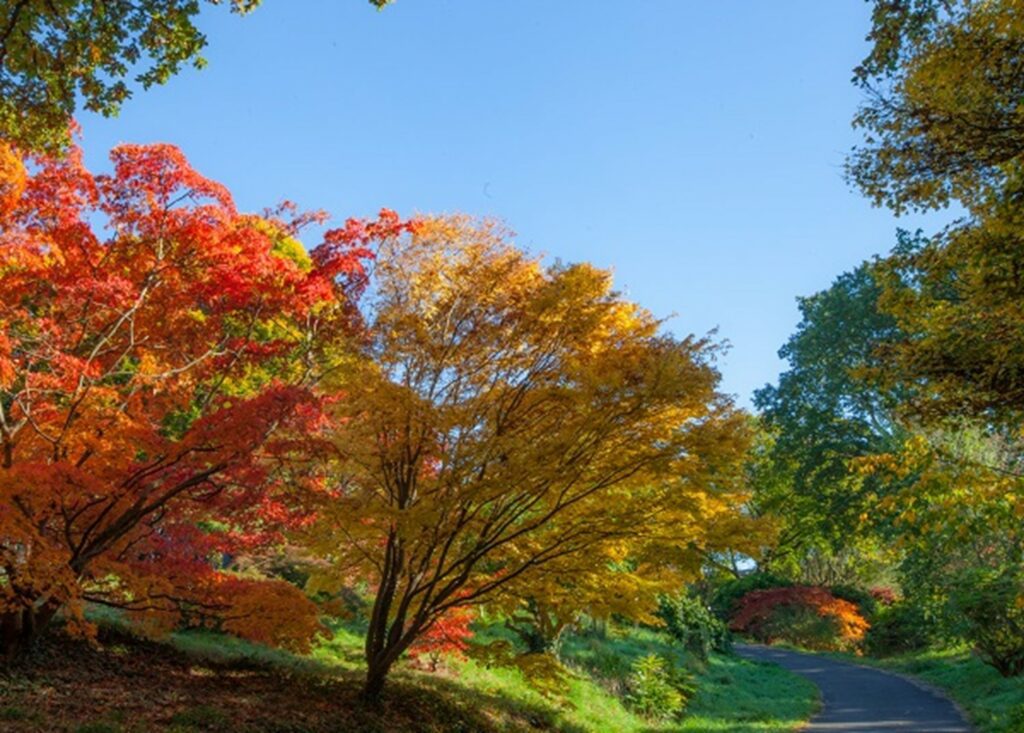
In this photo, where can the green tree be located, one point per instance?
(944, 122)
(820, 416)
(956, 297)
(55, 52)
(956, 517)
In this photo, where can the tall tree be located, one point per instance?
(508, 418)
(822, 415)
(957, 520)
(54, 53)
(142, 379)
(943, 117)
(945, 122)
(957, 298)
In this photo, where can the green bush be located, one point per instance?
(1016, 718)
(726, 597)
(900, 628)
(657, 689)
(991, 617)
(692, 624)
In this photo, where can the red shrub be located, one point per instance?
(884, 596)
(449, 635)
(807, 616)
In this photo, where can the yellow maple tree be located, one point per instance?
(505, 423)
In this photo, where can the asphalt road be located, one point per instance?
(862, 700)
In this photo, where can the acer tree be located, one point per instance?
(55, 53)
(502, 419)
(153, 340)
(809, 616)
(942, 118)
(448, 636)
(676, 522)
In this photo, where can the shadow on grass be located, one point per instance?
(491, 710)
(201, 681)
(204, 683)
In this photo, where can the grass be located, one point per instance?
(732, 694)
(203, 681)
(994, 704)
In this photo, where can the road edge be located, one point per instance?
(920, 684)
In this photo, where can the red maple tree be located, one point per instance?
(449, 635)
(782, 613)
(154, 341)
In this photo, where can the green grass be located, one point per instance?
(733, 694)
(994, 703)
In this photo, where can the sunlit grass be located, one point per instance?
(733, 694)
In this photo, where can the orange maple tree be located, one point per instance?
(154, 343)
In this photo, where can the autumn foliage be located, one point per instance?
(189, 399)
(154, 341)
(512, 431)
(450, 635)
(805, 615)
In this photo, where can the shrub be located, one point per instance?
(990, 604)
(802, 626)
(898, 628)
(692, 624)
(657, 689)
(863, 599)
(726, 598)
(804, 615)
(884, 596)
(449, 635)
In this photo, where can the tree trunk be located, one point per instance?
(376, 676)
(390, 642)
(20, 628)
(385, 644)
(385, 640)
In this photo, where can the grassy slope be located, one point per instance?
(734, 695)
(994, 704)
(207, 681)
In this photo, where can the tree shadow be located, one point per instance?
(129, 684)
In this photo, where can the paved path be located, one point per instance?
(862, 700)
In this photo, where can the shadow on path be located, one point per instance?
(863, 700)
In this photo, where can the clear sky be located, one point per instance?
(694, 147)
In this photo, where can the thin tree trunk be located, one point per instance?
(379, 642)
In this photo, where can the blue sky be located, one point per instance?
(694, 147)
